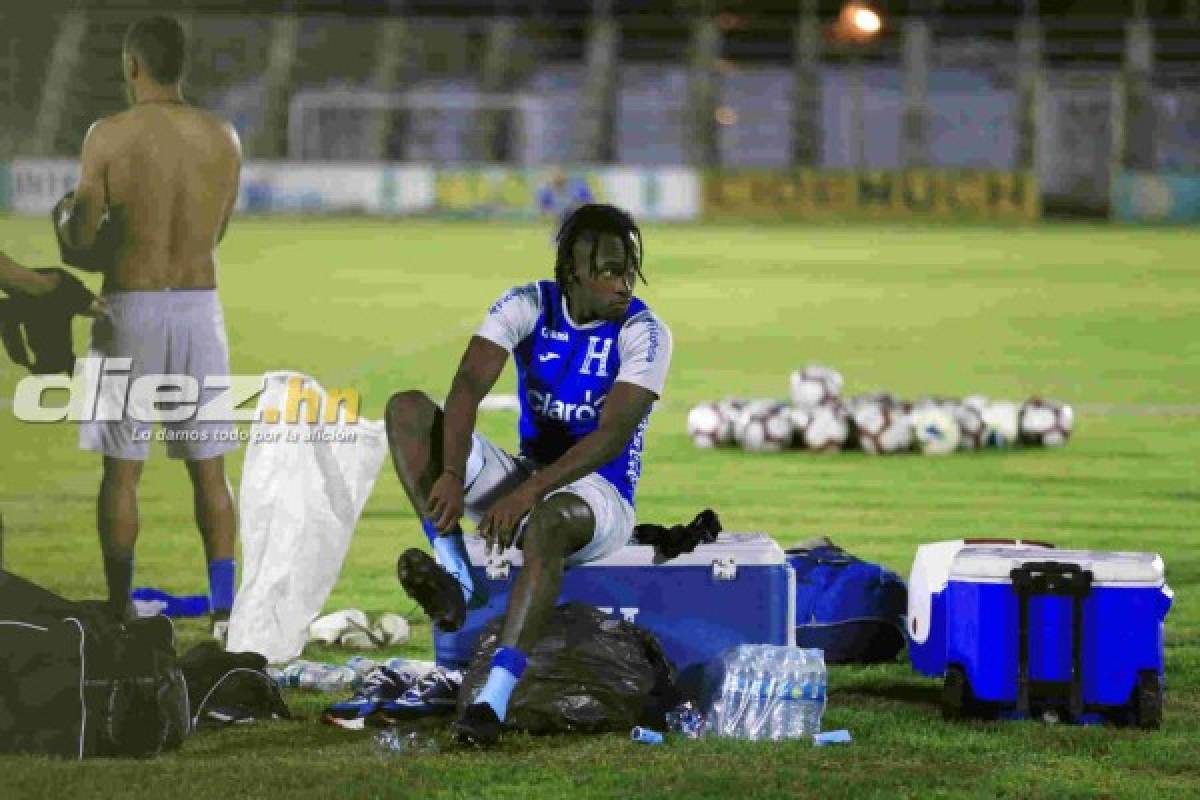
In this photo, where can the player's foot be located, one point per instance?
(434, 693)
(434, 589)
(380, 686)
(478, 725)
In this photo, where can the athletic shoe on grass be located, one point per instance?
(380, 686)
(478, 725)
(435, 692)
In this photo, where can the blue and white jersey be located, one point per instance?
(565, 371)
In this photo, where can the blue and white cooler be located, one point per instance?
(1065, 634)
(737, 590)
(926, 622)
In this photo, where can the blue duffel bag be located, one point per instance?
(850, 608)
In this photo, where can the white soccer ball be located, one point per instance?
(1045, 422)
(935, 430)
(823, 428)
(971, 428)
(330, 628)
(814, 385)
(885, 399)
(707, 427)
(1000, 420)
(882, 428)
(391, 629)
(764, 427)
(731, 410)
(976, 401)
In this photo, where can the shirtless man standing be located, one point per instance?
(165, 175)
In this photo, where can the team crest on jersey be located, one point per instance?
(597, 356)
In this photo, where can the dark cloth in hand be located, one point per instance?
(43, 324)
(97, 258)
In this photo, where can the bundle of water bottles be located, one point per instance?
(768, 692)
(314, 675)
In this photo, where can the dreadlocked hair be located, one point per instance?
(596, 219)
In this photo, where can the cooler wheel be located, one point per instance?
(1148, 700)
(956, 693)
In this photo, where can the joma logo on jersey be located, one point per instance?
(544, 404)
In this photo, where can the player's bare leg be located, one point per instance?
(117, 523)
(443, 587)
(557, 527)
(216, 520)
(414, 433)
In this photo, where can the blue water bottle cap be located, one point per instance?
(646, 736)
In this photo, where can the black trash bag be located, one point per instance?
(227, 688)
(589, 673)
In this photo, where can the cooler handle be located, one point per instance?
(1039, 578)
(989, 540)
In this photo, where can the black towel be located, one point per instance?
(43, 324)
(670, 542)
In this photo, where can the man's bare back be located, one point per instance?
(168, 176)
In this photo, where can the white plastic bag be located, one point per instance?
(303, 489)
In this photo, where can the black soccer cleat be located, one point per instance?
(478, 725)
(435, 590)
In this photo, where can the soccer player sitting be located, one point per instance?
(591, 360)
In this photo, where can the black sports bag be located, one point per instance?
(75, 682)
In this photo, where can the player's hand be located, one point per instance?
(41, 283)
(445, 506)
(98, 308)
(499, 525)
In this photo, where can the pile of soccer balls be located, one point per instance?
(820, 419)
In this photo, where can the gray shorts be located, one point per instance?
(168, 332)
(492, 473)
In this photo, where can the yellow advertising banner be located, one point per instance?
(823, 194)
(498, 191)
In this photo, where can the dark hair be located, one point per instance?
(596, 218)
(160, 45)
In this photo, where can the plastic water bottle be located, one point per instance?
(393, 742)
(320, 677)
(362, 666)
(814, 706)
(770, 692)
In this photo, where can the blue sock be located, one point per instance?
(451, 553)
(220, 583)
(431, 531)
(508, 664)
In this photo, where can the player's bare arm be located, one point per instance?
(15, 277)
(480, 367)
(77, 216)
(627, 405)
(236, 146)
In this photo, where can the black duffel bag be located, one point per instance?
(76, 682)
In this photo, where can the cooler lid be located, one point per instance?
(745, 549)
(981, 564)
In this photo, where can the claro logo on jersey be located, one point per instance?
(544, 404)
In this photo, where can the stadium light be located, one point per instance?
(866, 21)
(858, 23)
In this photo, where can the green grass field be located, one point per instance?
(1107, 318)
